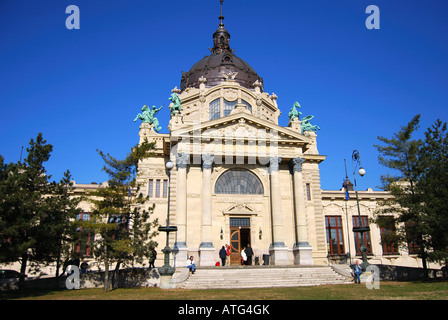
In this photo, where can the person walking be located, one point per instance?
(249, 254)
(152, 257)
(223, 255)
(357, 270)
(228, 255)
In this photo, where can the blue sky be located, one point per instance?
(83, 88)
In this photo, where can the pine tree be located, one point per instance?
(433, 185)
(401, 154)
(124, 226)
(24, 187)
(419, 189)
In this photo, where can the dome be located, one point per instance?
(221, 64)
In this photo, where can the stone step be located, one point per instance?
(255, 277)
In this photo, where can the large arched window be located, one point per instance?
(238, 181)
(215, 109)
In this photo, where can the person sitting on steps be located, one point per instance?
(191, 265)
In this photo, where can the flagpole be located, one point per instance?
(346, 211)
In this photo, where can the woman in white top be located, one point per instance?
(243, 256)
(191, 265)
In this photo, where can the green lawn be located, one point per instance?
(387, 291)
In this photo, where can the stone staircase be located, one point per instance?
(262, 277)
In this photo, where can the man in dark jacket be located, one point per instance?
(249, 254)
(223, 255)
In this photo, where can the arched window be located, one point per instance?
(248, 106)
(215, 109)
(228, 106)
(238, 181)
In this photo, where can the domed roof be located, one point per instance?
(220, 65)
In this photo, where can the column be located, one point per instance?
(206, 249)
(180, 247)
(303, 254)
(277, 249)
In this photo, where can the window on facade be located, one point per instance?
(308, 191)
(238, 182)
(240, 222)
(151, 188)
(215, 109)
(335, 239)
(362, 222)
(388, 235)
(228, 106)
(248, 106)
(86, 237)
(158, 188)
(165, 188)
(412, 239)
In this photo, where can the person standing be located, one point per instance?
(228, 255)
(249, 254)
(152, 257)
(223, 255)
(243, 256)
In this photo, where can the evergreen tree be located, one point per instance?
(23, 206)
(119, 217)
(433, 185)
(419, 190)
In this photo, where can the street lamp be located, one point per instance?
(356, 161)
(166, 271)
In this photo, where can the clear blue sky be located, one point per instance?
(83, 88)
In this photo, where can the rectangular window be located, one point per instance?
(165, 188)
(157, 188)
(151, 188)
(412, 238)
(86, 237)
(240, 222)
(335, 239)
(363, 222)
(308, 191)
(388, 235)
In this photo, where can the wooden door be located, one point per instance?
(235, 246)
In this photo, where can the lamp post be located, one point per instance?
(166, 271)
(356, 161)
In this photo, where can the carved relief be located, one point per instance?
(230, 94)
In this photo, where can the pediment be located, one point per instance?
(240, 209)
(241, 126)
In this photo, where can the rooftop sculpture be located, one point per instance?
(149, 116)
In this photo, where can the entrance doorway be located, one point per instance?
(239, 238)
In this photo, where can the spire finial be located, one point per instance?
(221, 17)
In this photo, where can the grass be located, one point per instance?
(387, 291)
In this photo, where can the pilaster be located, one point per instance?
(180, 247)
(302, 249)
(206, 249)
(277, 249)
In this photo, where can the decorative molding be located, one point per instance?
(240, 208)
(274, 163)
(207, 161)
(296, 164)
(182, 160)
